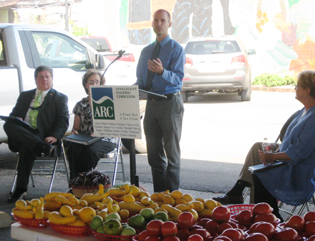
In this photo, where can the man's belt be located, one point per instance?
(168, 96)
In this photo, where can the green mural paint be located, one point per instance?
(292, 2)
(123, 13)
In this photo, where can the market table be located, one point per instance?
(21, 232)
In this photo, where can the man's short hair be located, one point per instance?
(163, 10)
(42, 68)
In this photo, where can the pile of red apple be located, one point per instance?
(260, 226)
(260, 212)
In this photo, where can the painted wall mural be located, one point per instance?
(281, 31)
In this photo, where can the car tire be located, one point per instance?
(140, 144)
(246, 94)
(184, 96)
(140, 37)
(202, 19)
(180, 20)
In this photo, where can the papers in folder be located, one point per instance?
(143, 94)
(262, 167)
(17, 121)
(83, 138)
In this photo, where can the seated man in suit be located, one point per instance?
(46, 110)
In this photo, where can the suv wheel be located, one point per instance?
(246, 94)
(184, 96)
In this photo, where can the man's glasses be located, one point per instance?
(93, 82)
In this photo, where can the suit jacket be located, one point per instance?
(53, 115)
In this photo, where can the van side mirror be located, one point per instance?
(251, 52)
(100, 62)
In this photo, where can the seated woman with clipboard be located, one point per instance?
(293, 182)
(84, 157)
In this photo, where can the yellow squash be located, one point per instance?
(56, 218)
(23, 213)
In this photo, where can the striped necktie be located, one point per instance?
(32, 119)
(150, 75)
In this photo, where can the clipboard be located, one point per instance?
(83, 138)
(143, 94)
(17, 121)
(261, 167)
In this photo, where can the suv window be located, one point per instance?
(2, 55)
(59, 51)
(212, 47)
(99, 44)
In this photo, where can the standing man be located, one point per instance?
(161, 70)
(46, 110)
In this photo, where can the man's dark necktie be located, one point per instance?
(150, 75)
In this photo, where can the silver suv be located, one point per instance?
(217, 64)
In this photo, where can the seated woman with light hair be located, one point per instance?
(294, 182)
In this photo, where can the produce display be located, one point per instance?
(129, 213)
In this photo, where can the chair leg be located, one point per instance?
(15, 174)
(122, 165)
(32, 179)
(65, 162)
(302, 208)
(53, 175)
(246, 192)
(116, 162)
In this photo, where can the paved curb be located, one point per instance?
(286, 88)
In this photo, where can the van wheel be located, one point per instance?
(140, 144)
(246, 94)
(184, 96)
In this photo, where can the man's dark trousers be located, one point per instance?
(163, 127)
(23, 141)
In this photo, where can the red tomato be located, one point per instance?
(297, 222)
(263, 227)
(183, 233)
(202, 222)
(233, 224)
(171, 238)
(266, 217)
(260, 208)
(202, 232)
(222, 238)
(286, 234)
(252, 228)
(195, 226)
(245, 216)
(266, 228)
(233, 234)
(168, 228)
(185, 220)
(309, 216)
(153, 238)
(312, 238)
(143, 235)
(310, 227)
(256, 237)
(154, 227)
(195, 237)
(223, 226)
(221, 214)
(241, 231)
(212, 226)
